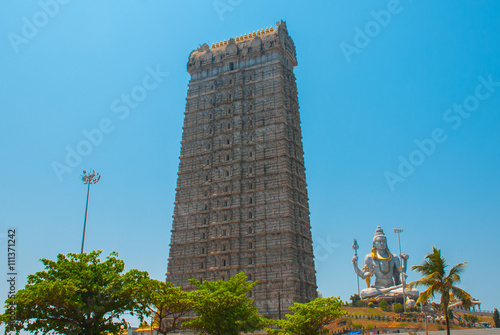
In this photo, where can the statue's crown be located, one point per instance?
(379, 232)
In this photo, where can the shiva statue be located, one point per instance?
(386, 267)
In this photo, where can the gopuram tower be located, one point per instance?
(241, 201)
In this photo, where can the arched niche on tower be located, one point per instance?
(256, 44)
(207, 56)
(231, 48)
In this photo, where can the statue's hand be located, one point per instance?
(404, 256)
(354, 259)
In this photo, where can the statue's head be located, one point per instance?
(380, 240)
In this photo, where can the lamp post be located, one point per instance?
(422, 305)
(403, 279)
(88, 179)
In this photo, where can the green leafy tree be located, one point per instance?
(166, 303)
(77, 294)
(437, 281)
(224, 308)
(309, 318)
(496, 318)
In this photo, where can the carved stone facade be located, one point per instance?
(241, 202)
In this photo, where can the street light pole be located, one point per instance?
(422, 305)
(403, 279)
(88, 179)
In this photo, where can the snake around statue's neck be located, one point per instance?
(375, 256)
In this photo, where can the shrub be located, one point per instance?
(369, 326)
(371, 304)
(398, 308)
(357, 326)
(471, 318)
(383, 305)
(354, 299)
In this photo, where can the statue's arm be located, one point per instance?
(365, 272)
(400, 269)
(404, 257)
(397, 274)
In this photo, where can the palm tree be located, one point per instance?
(437, 281)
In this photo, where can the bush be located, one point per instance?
(357, 326)
(383, 305)
(371, 304)
(471, 318)
(354, 299)
(398, 308)
(369, 326)
(358, 303)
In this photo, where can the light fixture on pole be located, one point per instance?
(88, 179)
(403, 277)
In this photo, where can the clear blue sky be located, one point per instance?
(369, 91)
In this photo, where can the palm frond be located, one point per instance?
(458, 269)
(462, 295)
(425, 281)
(437, 262)
(434, 264)
(426, 295)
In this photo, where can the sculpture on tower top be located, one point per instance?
(385, 267)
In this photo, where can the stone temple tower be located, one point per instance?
(241, 201)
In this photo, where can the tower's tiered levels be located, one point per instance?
(241, 202)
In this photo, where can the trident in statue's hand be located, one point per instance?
(355, 246)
